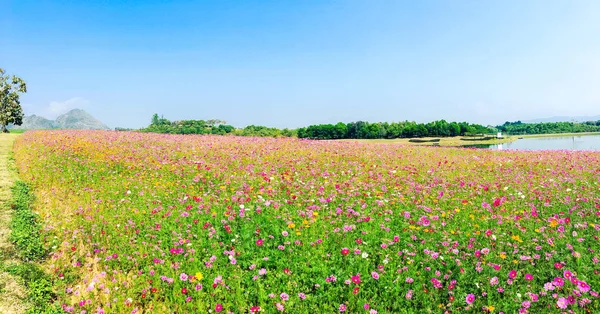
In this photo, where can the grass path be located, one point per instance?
(12, 294)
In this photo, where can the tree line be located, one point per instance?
(385, 130)
(520, 128)
(367, 130)
(213, 126)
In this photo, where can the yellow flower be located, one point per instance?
(199, 276)
(516, 238)
(502, 256)
(553, 223)
(292, 226)
(491, 308)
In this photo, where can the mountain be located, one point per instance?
(564, 119)
(74, 119)
(34, 122)
(80, 120)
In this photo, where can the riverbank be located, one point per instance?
(455, 141)
(557, 135)
(459, 141)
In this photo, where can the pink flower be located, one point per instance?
(218, 307)
(558, 265)
(345, 251)
(470, 298)
(375, 275)
(259, 242)
(255, 309)
(528, 277)
(562, 303)
(567, 274)
(342, 307)
(559, 282)
(583, 286)
(280, 307)
(494, 281)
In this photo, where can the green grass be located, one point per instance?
(28, 243)
(25, 226)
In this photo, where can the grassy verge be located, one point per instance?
(29, 247)
(25, 227)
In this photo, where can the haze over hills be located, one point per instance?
(564, 119)
(74, 119)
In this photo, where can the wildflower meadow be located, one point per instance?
(155, 223)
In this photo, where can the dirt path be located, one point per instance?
(12, 294)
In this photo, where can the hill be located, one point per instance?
(75, 119)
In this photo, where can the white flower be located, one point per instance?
(365, 255)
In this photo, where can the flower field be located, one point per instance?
(149, 223)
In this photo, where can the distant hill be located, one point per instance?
(75, 119)
(564, 119)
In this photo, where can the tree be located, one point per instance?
(10, 106)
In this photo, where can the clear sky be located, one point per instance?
(294, 63)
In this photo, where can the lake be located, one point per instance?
(585, 142)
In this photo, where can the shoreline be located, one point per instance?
(457, 142)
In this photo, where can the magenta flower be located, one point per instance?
(528, 277)
(583, 286)
(218, 307)
(470, 298)
(512, 274)
(343, 307)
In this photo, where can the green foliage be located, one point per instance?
(10, 106)
(25, 227)
(366, 130)
(39, 287)
(518, 127)
(29, 246)
(213, 126)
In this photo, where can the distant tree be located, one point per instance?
(155, 119)
(10, 106)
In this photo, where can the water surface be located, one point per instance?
(583, 142)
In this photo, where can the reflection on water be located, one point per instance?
(586, 142)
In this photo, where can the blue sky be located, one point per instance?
(295, 63)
